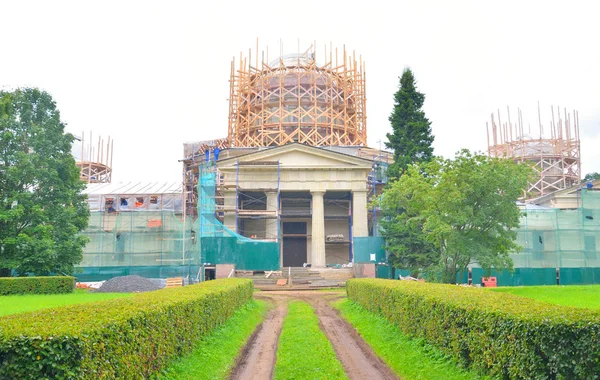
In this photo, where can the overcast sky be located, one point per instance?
(153, 75)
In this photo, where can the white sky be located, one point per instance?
(153, 75)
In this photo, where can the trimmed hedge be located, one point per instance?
(506, 335)
(36, 285)
(128, 338)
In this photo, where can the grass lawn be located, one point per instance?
(216, 354)
(15, 304)
(304, 351)
(408, 358)
(584, 296)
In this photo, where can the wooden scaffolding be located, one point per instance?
(555, 154)
(94, 165)
(298, 98)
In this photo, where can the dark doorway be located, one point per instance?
(294, 244)
(210, 273)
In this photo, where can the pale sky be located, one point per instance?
(153, 75)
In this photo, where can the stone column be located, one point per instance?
(318, 230)
(229, 203)
(359, 213)
(272, 223)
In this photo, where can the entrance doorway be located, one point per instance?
(294, 244)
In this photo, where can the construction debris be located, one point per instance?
(128, 284)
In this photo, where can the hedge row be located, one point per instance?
(127, 338)
(505, 335)
(36, 285)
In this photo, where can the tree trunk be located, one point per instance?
(5, 272)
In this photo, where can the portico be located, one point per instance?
(311, 200)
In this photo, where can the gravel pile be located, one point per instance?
(128, 284)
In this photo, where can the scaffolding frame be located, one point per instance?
(556, 159)
(94, 166)
(251, 177)
(296, 99)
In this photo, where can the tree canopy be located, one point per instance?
(590, 177)
(443, 215)
(42, 209)
(411, 138)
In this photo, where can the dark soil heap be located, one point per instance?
(128, 284)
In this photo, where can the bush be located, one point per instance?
(129, 338)
(507, 336)
(36, 285)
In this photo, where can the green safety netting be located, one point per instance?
(163, 243)
(556, 238)
(219, 244)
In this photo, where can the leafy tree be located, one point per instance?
(590, 177)
(42, 209)
(411, 138)
(443, 215)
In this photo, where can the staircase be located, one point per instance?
(308, 278)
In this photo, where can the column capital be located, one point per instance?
(317, 192)
(360, 191)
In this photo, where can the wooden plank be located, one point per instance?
(174, 282)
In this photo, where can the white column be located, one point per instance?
(359, 213)
(229, 204)
(272, 223)
(318, 230)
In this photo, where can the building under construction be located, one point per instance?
(294, 170)
(291, 185)
(554, 151)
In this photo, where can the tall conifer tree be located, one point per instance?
(411, 138)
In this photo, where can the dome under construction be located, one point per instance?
(298, 98)
(554, 155)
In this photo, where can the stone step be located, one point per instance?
(325, 284)
(302, 276)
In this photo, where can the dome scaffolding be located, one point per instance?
(555, 158)
(296, 99)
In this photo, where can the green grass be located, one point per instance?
(583, 296)
(304, 351)
(216, 354)
(408, 358)
(30, 302)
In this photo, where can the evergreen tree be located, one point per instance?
(42, 209)
(411, 138)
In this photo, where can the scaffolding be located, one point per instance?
(94, 165)
(376, 181)
(296, 98)
(561, 238)
(195, 155)
(248, 199)
(559, 246)
(218, 242)
(142, 229)
(137, 228)
(554, 154)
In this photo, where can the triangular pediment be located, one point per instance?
(299, 156)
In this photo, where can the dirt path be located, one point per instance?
(357, 357)
(258, 357)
